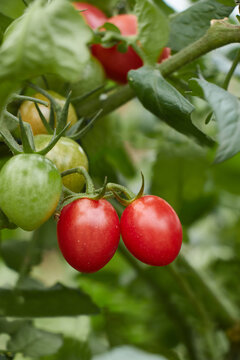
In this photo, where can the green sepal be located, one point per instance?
(102, 192)
(29, 98)
(56, 106)
(53, 141)
(10, 141)
(126, 202)
(44, 121)
(75, 128)
(86, 128)
(27, 138)
(62, 119)
(52, 117)
(79, 99)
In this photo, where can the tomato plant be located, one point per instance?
(169, 121)
(88, 234)
(30, 114)
(66, 154)
(118, 64)
(151, 231)
(30, 190)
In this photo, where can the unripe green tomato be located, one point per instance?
(30, 189)
(30, 114)
(66, 154)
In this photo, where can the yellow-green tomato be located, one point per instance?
(30, 114)
(66, 154)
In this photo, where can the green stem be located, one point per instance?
(231, 71)
(116, 187)
(220, 34)
(82, 171)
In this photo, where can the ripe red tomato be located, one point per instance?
(88, 234)
(151, 231)
(115, 63)
(93, 16)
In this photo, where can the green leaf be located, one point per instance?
(4, 22)
(227, 2)
(226, 108)
(164, 7)
(191, 24)
(15, 253)
(34, 342)
(111, 27)
(12, 8)
(72, 349)
(42, 302)
(45, 40)
(11, 327)
(163, 100)
(180, 174)
(153, 29)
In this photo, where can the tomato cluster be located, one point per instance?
(89, 232)
(88, 228)
(116, 64)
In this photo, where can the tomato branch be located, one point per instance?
(220, 33)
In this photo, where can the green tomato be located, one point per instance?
(66, 154)
(30, 189)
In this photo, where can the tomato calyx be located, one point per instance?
(130, 196)
(109, 35)
(56, 111)
(108, 190)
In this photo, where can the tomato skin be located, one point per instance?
(30, 114)
(66, 154)
(30, 190)
(88, 234)
(117, 64)
(151, 231)
(93, 16)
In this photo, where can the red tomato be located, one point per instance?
(118, 64)
(151, 231)
(93, 16)
(88, 234)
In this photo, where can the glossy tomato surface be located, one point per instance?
(93, 16)
(151, 231)
(88, 234)
(117, 64)
(30, 190)
(66, 154)
(30, 114)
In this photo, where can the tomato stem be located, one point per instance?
(90, 189)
